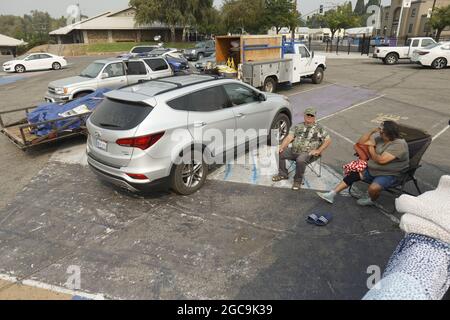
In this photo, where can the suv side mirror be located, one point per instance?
(261, 97)
(105, 75)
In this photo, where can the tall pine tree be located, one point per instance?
(360, 8)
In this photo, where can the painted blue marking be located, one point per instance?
(79, 298)
(9, 79)
(228, 170)
(254, 171)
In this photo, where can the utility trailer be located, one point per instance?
(21, 133)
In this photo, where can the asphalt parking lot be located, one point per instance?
(237, 238)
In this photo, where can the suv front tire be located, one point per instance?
(189, 176)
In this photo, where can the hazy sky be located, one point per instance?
(58, 8)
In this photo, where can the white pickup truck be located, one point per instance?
(298, 62)
(391, 55)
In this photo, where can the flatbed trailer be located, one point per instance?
(21, 133)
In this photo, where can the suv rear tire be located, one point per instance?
(188, 178)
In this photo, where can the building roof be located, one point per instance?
(6, 41)
(119, 20)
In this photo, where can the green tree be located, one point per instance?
(173, 13)
(244, 16)
(315, 21)
(360, 8)
(281, 13)
(340, 18)
(440, 20)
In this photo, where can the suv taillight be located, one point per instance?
(142, 143)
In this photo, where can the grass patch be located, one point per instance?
(126, 46)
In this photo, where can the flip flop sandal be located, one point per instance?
(312, 219)
(279, 178)
(324, 220)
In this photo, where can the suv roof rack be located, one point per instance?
(180, 85)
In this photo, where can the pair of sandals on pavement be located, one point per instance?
(296, 186)
(320, 221)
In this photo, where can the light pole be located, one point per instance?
(294, 26)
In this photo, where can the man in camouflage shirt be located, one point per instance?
(309, 140)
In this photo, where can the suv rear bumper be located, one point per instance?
(116, 177)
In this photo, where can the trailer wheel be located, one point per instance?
(318, 76)
(270, 85)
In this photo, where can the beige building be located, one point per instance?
(414, 22)
(110, 27)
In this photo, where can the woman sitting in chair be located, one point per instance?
(389, 157)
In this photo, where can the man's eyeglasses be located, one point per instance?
(311, 115)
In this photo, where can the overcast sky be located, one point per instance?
(58, 8)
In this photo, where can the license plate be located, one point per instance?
(101, 144)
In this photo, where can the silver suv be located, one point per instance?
(146, 135)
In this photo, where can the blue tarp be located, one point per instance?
(52, 111)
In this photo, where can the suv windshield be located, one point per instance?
(92, 70)
(200, 45)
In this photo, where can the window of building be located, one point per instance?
(410, 29)
(413, 12)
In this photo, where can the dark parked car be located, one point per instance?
(201, 50)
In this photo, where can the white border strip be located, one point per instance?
(49, 287)
(312, 89)
(352, 107)
(441, 133)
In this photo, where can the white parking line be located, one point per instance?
(352, 107)
(50, 287)
(339, 135)
(441, 133)
(296, 93)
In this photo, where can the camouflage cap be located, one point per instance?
(311, 111)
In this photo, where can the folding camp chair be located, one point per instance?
(418, 143)
(315, 165)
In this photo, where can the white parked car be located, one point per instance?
(35, 61)
(436, 56)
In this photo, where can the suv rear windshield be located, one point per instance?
(120, 115)
(142, 49)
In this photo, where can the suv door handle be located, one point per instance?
(240, 115)
(199, 124)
